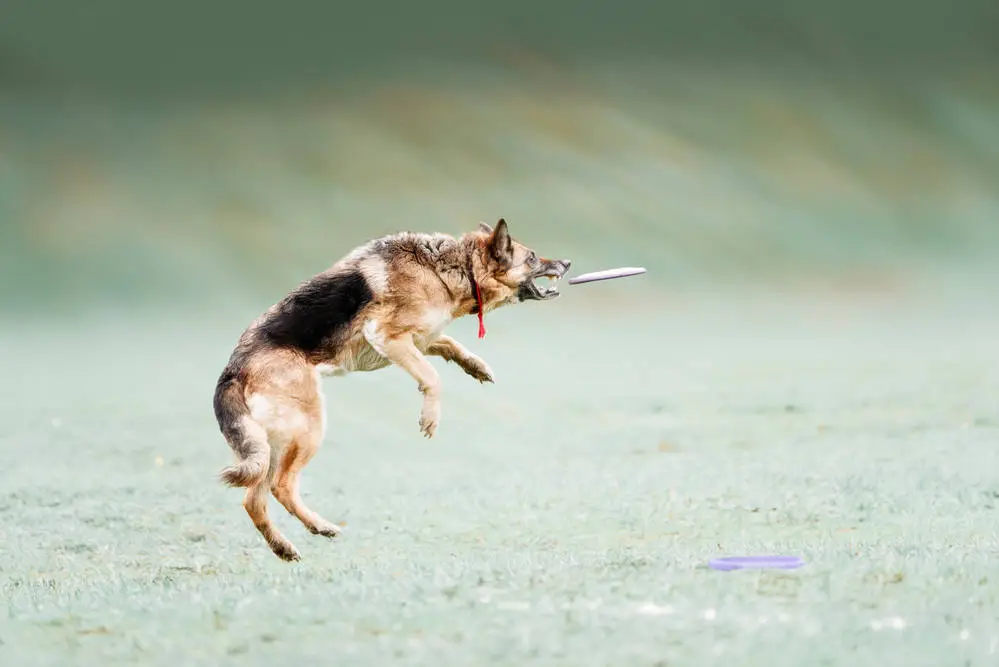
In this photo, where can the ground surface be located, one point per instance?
(562, 516)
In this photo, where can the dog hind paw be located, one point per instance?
(327, 529)
(286, 551)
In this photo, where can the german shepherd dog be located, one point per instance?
(387, 302)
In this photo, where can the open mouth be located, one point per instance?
(550, 290)
(533, 289)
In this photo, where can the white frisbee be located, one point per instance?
(607, 274)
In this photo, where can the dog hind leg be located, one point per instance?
(285, 486)
(255, 504)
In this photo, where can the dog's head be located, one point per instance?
(512, 270)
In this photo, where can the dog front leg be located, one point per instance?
(403, 353)
(449, 349)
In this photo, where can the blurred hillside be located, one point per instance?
(179, 153)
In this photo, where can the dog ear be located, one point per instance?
(501, 244)
(483, 227)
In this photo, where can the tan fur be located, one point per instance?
(405, 289)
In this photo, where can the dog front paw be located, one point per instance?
(429, 419)
(478, 369)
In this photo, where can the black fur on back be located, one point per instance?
(317, 312)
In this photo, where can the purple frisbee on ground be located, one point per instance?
(756, 562)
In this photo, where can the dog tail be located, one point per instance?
(246, 437)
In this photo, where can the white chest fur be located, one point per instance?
(433, 323)
(436, 320)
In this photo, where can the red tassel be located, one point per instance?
(482, 324)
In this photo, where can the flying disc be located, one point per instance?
(607, 274)
(756, 562)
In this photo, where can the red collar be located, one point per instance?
(478, 299)
(478, 307)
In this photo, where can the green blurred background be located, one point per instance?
(185, 154)
(169, 170)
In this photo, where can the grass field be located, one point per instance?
(561, 516)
